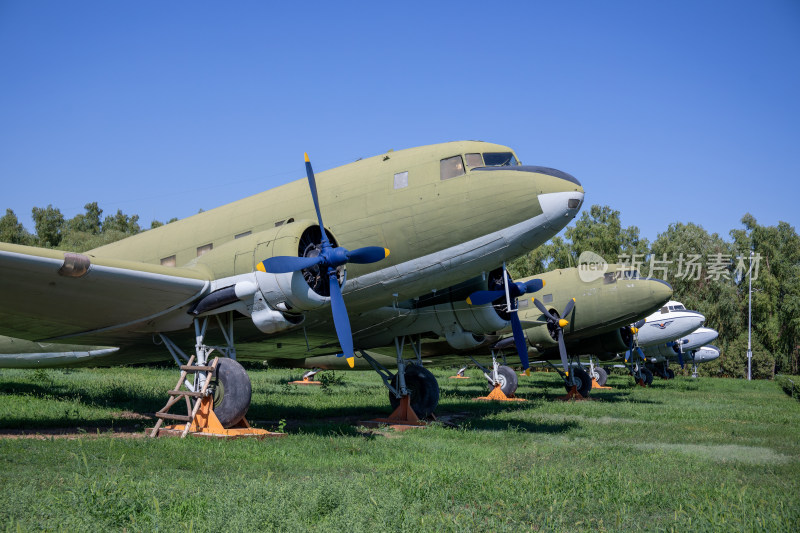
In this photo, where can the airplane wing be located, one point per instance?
(55, 295)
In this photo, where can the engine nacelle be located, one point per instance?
(539, 337)
(615, 341)
(463, 340)
(270, 321)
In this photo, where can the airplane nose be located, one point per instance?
(561, 194)
(660, 289)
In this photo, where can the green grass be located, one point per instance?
(682, 455)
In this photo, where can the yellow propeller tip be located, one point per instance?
(527, 371)
(351, 361)
(260, 268)
(573, 299)
(469, 302)
(387, 253)
(307, 159)
(544, 283)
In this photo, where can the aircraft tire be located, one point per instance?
(508, 380)
(601, 376)
(424, 391)
(647, 376)
(670, 374)
(232, 393)
(583, 382)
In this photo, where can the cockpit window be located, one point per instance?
(451, 167)
(628, 274)
(664, 310)
(679, 308)
(609, 278)
(474, 160)
(499, 159)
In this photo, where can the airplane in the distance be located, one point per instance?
(694, 348)
(269, 278)
(596, 314)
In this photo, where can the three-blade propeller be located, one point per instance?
(329, 259)
(512, 290)
(557, 326)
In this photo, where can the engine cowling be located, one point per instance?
(305, 290)
(615, 341)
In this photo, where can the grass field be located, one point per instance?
(682, 455)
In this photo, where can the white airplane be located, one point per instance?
(671, 322)
(657, 357)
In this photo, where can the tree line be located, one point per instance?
(707, 272)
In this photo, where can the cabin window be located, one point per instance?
(609, 278)
(204, 249)
(628, 274)
(451, 167)
(547, 299)
(245, 234)
(664, 310)
(522, 303)
(474, 160)
(401, 180)
(500, 159)
(168, 261)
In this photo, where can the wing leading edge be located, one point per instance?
(54, 295)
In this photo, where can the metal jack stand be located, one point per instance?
(403, 417)
(307, 379)
(460, 374)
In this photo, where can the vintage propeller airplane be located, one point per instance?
(471, 317)
(275, 277)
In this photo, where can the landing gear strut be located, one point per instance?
(502, 380)
(413, 390)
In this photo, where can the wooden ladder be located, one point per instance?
(177, 393)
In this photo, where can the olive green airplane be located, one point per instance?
(270, 280)
(584, 312)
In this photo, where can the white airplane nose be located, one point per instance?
(559, 205)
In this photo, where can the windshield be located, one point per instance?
(499, 159)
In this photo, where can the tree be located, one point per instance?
(49, 224)
(599, 230)
(123, 223)
(11, 230)
(88, 222)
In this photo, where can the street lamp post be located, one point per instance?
(749, 319)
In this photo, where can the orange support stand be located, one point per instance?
(596, 385)
(641, 382)
(305, 381)
(401, 418)
(206, 424)
(497, 394)
(573, 394)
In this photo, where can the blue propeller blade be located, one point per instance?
(367, 254)
(519, 341)
(340, 319)
(312, 183)
(484, 297)
(285, 263)
(533, 285)
(680, 358)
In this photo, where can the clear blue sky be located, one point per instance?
(667, 111)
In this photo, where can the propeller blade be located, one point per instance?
(639, 324)
(340, 318)
(367, 254)
(641, 353)
(519, 341)
(680, 358)
(540, 306)
(568, 308)
(484, 297)
(285, 263)
(562, 351)
(533, 285)
(312, 183)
